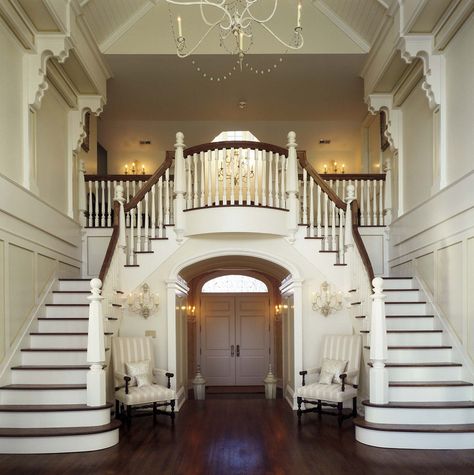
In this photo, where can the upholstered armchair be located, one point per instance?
(137, 383)
(335, 381)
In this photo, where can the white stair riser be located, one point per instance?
(415, 440)
(447, 373)
(67, 312)
(406, 309)
(414, 339)
(427, 394)
(401, 296)
(52, 445)
(70, 298)
(415, 323)
(53, 357)
(55, 419)
(58, 341)
(43, 396)
(398, 283)
(420, 356)
(382, 415)
(53, 325)
(57, 376)
(66, 285)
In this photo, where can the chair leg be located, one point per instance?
(172, 414)
(299, 401)
(354, 407)
(117, 409)
(319, 407)
(129, 416)
(339, 414)
(154, 412)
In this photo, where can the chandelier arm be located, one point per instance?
(247, 10)
(189, 53)
(200, 3)
(283, 42)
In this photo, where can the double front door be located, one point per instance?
(235, 338)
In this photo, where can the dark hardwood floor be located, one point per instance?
(241, 436)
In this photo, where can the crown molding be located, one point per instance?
(18, 24)
(452, 20)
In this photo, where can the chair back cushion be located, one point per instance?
(344, 347)
(131, 349)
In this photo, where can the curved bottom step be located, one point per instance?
(412, 436)
(58, 440)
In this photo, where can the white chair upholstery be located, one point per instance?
(334, 347)
(131, 350)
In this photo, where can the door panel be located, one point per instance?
(252, 338)
(218, 335)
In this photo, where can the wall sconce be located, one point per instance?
(144, 303)
(335, 168)
(326, 300)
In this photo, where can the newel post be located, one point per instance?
(378, 346)
(96, 381)
(292, 187)
(388, 191)
(122, 241)
(179, 186)
(82, 194)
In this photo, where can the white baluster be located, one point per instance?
(139, 227)
(209, 178)
(264, 178)
(380, 209)
(341, 236)
(224, 177)
(333, 226)
(203, 180)
(232, 177)
(336, 185)
(216, 177)
(102, 204)
(82, 194)
(326, 224)
(256, 197)
(318, 217)
(196, 181)
(153, 211)
(132, 254)
(90, 211)
(277, 181)
(369, 209)
(189, 186)
(96, 380)
(96, 218)
(146, 235)
(311, 206)
(167, 197)
(378, 346)
(249, 177)
(127, 199)
(109, 206)
(362, 203)
(282, 184)
(388, 191)
(161, 232)
(241, 191)
(270, 179)
(305, 198)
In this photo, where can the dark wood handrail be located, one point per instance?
(317, 178)
(353, 176)
(205, 147)
(128, 177)
(359, 242)
(149, 184)
(133, 202)
(112, 243)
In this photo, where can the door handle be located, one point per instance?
(232, 351)
(238, 350)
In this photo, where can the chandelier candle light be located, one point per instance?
(234, 23)
(144, 303)
(326, 300)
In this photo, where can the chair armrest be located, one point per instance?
(127, 380)
(163, 372)
(309, 371)
(343, 377)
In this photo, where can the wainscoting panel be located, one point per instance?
(426, 269)
(2, 300)
(46, 266)
(470, 298)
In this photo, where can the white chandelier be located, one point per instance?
(144, 302)
(235, 26)
(326, 300)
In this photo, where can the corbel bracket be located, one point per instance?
(85, 103)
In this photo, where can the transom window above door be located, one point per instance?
(234, 284)
(235, 136)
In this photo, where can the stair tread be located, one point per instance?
(407, 331)
(424, 405)
(58, 431)
(406, 303)
(401, 290)
(66, 305)
(418, 384)
(43, 386)
(51, 407)
(423, 365)
(74, 280)
(414, 347)
(71, 291)
(409, 316)
(414, 427)
(63, 333)
(50, 367)
(56, 349)
(396, 278)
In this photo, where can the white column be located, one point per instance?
(96, 381)
(179, 186)
(378, 346)
(388, 191)
(292, 186)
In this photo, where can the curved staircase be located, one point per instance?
(44, 408)
(430, 405)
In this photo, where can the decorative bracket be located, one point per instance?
(85, 103)
(384, 102)
(414, 46)
(48, 45)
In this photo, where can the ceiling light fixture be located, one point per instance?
(234, 23)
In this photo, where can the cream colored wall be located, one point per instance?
(417, 148)
(374, 146)
(51, 149)
(11, 97)
(121, 139)
(460, 102)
